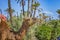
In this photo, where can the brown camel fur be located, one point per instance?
(5, 31)
(7, 34)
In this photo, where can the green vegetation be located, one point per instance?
(45, 32)
(46, 28)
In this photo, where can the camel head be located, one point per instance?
(30, 21)
(2, 18)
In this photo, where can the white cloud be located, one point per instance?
(48, 13)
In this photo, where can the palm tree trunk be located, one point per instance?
(17, 16)
(9, 10)
(34, 11)
(23, 7)
(28, 7)
(31, 8)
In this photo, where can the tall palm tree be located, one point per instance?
(31, 8)
(34, 10)
(28, 7)
(22, 2)
(35, 7)
(17, 16)
(23, 6)
(10, 10)
(58, 11)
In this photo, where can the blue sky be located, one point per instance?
(48, 6)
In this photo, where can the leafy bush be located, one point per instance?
(43, 32)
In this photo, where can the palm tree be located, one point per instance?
(10, 10)
(43, 17)
(31, 8)
(35, 7)
(22, 2)
(28, 7)
(17, 16)
(23, 6)
(58, 11)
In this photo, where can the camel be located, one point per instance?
(25, 26)
(5, 29)
(7, 34)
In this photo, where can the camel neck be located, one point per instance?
(23, 29)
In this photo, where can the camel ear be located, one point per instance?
(24, 19)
